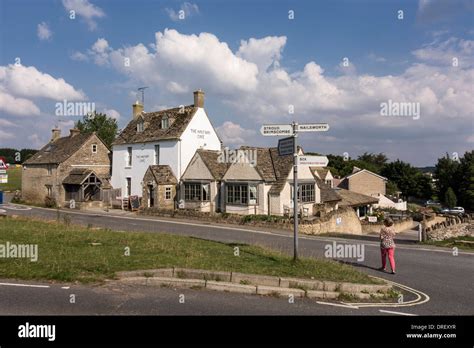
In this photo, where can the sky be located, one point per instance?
(339, 62)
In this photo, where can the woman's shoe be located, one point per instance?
(382, 269)
(393, 272)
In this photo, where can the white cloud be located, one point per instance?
(6, 123)
(263, 52)
(183, 62)
(28, 82)
(80, 57)
(17, 106)
(443, 52)
(112, 113)
(375, 58)
(43, 31)
(186, 10)
(4, 135)
(234, 134)
(100, 52)
(86, 10)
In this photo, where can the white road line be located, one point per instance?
(65, 287)
(25, 285)
(399, 313)
(257, 231)
(337, 304)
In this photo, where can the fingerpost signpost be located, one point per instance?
(284, 148)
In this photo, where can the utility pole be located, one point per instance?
(295, 192)
(288, 146)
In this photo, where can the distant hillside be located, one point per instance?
(426, 169)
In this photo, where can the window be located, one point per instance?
(157, 154)
(140, 126)
(329, 183)
(49, 189)
(242, 194)
(164, 122)
(50, 169)
(94, 148)
(305, 193)
(129, 156)
(196, 192)
(129, 186)
(167, 193)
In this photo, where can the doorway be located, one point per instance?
(151, 196)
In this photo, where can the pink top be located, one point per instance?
(386, 237)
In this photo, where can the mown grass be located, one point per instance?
(454, 242)
(71, 253)
(14, 180)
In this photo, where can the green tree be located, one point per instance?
(465, 175)
(445, 173)
(408, 179)
(371, 161)
(450, 198)
(105, 127)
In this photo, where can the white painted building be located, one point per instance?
(168, 137)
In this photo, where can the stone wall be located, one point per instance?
(343, 220)
(452, 227)
(399, 226)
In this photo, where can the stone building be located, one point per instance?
(75, 167)
(159, 187)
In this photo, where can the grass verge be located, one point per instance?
(74, 253)
(14, 180)
(461, 242)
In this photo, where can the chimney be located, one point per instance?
(56, 134)
(199, 99)
(73, 132)
(137, 109)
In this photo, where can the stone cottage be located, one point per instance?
(75, 167)
(159, 187)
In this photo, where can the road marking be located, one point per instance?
(421, 297)
(288, 236)
(399, 313)
(25, 285)
(65, 287)
(337, 304)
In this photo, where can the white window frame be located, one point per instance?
(94, 148)
(129, 156)
(157, 154)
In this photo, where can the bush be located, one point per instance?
(17, 197)
(49, 202)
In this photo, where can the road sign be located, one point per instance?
(315, 161)
(313, 127)
(3, 178)
(286, 146)
(3, 165)
(276, 129)
(3, 171)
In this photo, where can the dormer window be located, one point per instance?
(140, 126)
(164, 122)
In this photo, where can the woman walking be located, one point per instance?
(387, 245)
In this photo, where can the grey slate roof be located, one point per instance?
(282, 166)
(327, 194)
(264, 163)
(210, 159)
(58, 151)
(152, 126)
(354, 199)
(77, 176)
(163, 174)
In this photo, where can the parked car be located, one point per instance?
(431, 203)
(454, 211)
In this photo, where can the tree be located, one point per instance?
(465, 176)
(408, 179)
(450, 198)
(445, 174)
(371, 161)
(105, 127)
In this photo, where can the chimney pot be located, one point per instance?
(137, 109)
(199, 99)
(56, 134)
(74, 132)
